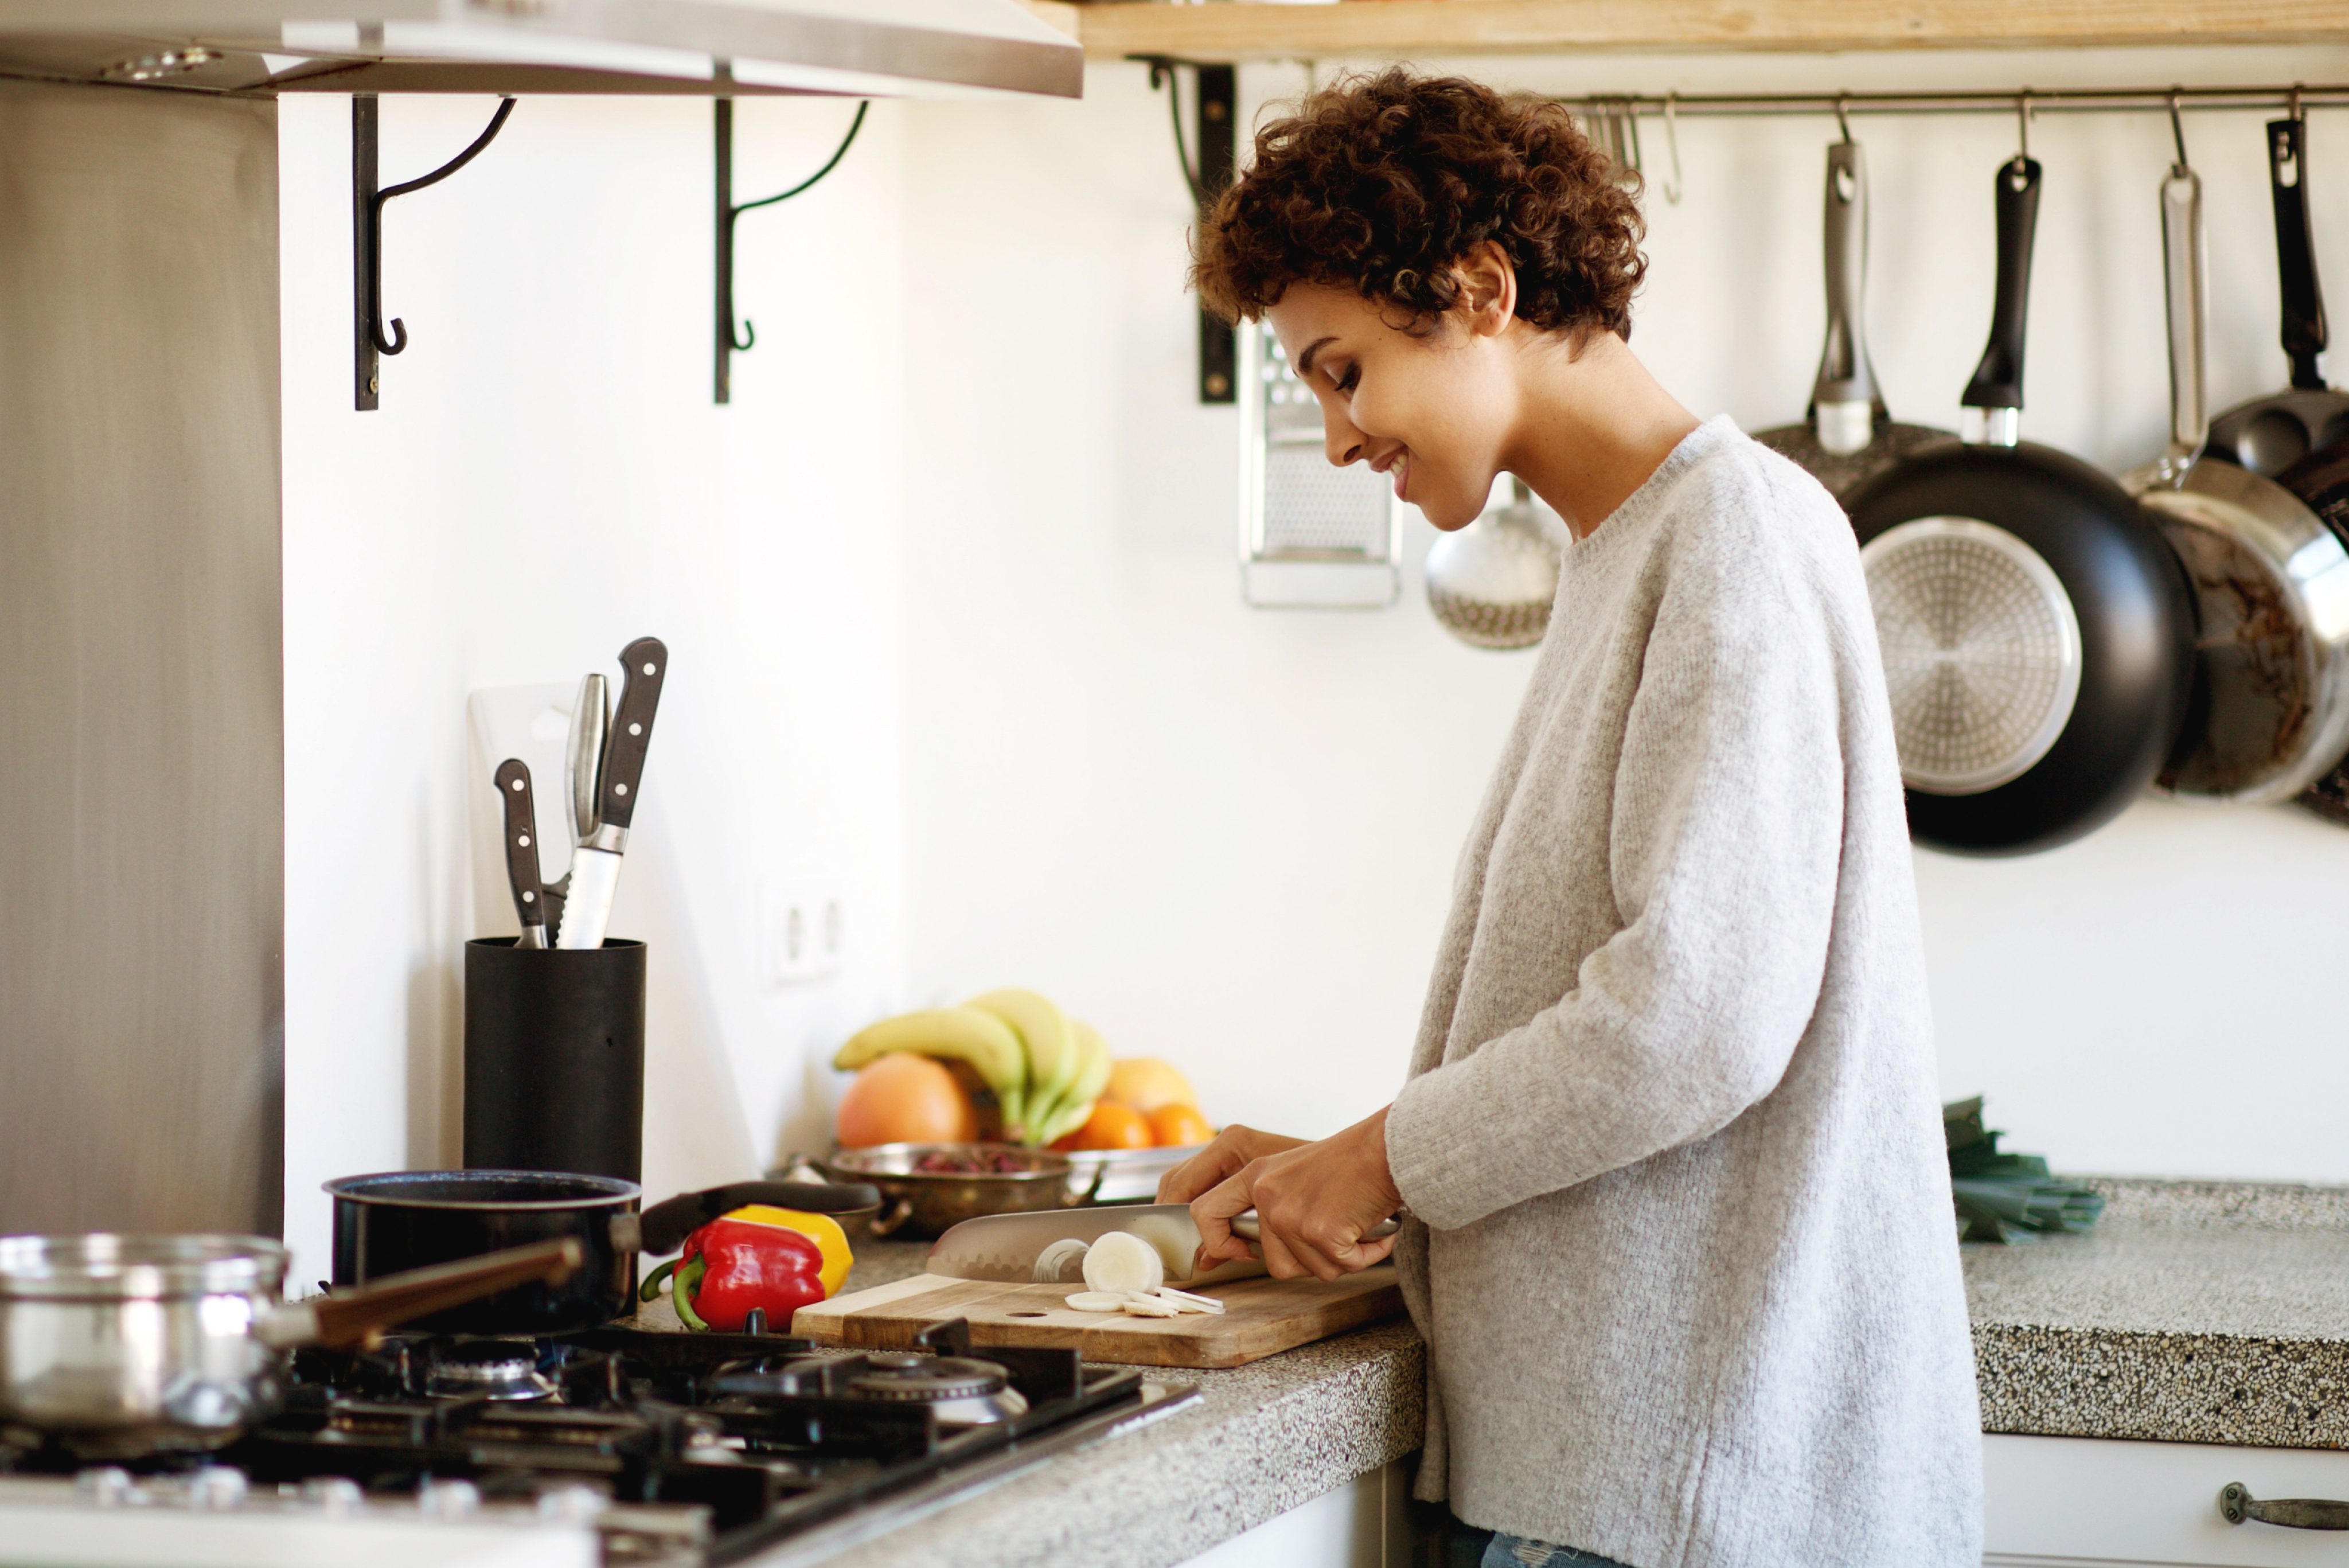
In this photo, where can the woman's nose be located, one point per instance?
(1344, 443)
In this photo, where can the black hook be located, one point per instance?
(729, 210)
(397, 341)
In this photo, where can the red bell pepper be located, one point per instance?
(745, 1265)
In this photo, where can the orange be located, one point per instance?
(905, 1099)
(1145, 1083)
(1178, 1126)
(1112, 1126)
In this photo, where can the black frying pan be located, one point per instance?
(1997, 514)
(2268, 435)
(404, 1219)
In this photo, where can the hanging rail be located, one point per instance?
(2039, 100)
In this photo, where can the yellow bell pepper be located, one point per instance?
(821, 1229)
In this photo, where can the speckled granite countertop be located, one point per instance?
(2194, 1312)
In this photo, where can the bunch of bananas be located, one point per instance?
(1043, 1068)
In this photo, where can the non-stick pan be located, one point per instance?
(389, 1223)
(2270, 710)
(2037, 633)
(2268, 435)
(1847, 435)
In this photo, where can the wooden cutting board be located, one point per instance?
(1262, 1317)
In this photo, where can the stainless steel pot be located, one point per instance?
(2269, 712)
(924, 1203)
(120, 1346)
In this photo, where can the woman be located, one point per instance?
(1679, 1235)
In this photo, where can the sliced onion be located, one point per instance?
(1097, 1300)
(1118, 1261)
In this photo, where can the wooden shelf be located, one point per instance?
(1242, 30)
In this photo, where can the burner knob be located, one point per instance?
(337, 1496)
(448, 1501)
(571, 1505)
(108, 1486)
(216, 1488)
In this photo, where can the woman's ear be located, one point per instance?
(1487, 283)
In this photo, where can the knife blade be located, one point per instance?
(595, 875)
(522, 850)
(1005, 1247)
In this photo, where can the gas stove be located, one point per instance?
(641, 1449)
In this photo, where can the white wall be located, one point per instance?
(546, 480)
(1227, 834)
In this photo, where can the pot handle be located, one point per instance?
(2304, 298)
(2186, 289)
(664, 1227)
(1998, 379)
(1844, 398)
(886, 1224)
(359, 1317)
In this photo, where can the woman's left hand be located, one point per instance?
(1312, 1204)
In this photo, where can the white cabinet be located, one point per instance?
(1363, 1524)
(2086, 1503)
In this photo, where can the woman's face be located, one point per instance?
(1429, 405)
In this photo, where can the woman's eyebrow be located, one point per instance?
(1305, 360)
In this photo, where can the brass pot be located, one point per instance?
(922, 1204)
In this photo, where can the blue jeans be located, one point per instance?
(1516, 1552)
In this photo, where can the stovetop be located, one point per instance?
(678, 1448)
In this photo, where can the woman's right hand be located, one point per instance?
(1220, 1162)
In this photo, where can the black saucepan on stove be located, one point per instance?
(389, 1223)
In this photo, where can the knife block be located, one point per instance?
(554, 1058)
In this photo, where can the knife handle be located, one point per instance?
(522, 849)
(644, 664)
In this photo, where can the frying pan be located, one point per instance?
(2037, 633)
(404, 1219)
(2268, 435)
(2269, 712)
(2320, 480)
(1847, 434)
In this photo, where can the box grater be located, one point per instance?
(1313, 536)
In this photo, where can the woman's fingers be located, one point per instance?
(1233, 1148)
(1211, 1212)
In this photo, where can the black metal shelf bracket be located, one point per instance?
(369, 339)
(728, 211)
(1215, 103)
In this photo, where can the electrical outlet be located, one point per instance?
(801, 936)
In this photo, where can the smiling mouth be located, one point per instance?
(1401, 468)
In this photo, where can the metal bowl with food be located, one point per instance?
(928, 1187)
(1128, 1175)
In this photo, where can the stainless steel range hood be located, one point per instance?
(919, 48)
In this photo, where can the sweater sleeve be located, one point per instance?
(1724, 831)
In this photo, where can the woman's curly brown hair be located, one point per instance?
(1381, 184)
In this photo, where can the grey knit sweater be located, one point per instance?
(1683, 1251)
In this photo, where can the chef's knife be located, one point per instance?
(1006, 1247)
(522, 851)
(595, 862)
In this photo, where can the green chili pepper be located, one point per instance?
(680, 1294)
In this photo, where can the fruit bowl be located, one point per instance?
(994, 1179)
